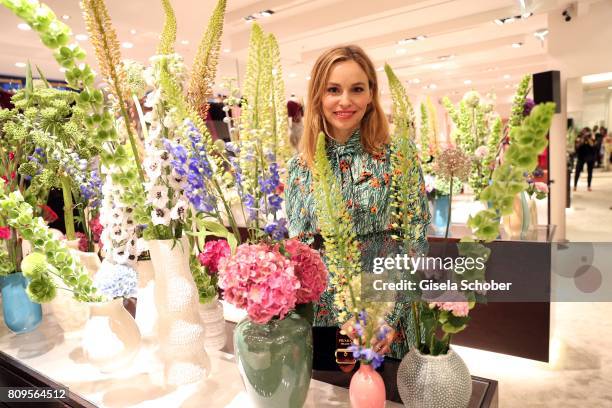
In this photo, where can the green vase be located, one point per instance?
(275, 361)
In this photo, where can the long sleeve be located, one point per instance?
(299, 202)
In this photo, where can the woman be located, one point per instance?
(586, 153)
(344, 104)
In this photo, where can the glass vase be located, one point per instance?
(21, 315)
(275, 361)
(522, 223)
(439, 212)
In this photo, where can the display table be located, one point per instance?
(47, 358)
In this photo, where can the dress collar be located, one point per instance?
(352, 145)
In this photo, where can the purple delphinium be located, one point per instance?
(91, 189)
(367, 355)
(277, 229)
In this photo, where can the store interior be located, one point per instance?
(437, 48)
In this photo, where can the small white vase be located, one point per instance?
(181, 334)
(111, 338)
(146, 311)
(211, 314)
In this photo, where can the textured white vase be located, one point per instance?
(180, 330)
(111, 338)
(70, 314)
(146, 311)
(211, 314)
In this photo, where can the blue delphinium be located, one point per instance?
(277, 229)
(115, 280)
(367, 354)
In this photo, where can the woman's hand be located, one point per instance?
(384, 346)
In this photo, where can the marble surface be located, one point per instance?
(47, 351)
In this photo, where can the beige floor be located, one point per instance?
(580, 371)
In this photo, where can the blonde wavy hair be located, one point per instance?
(374, 128)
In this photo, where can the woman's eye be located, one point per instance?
(333, 89)
(358, 89)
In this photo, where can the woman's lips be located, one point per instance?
(343, 115)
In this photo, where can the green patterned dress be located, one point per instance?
(364, 180)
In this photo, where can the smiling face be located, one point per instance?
(345, 99)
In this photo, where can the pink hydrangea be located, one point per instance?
(542, 187)
(214, 251)
(310, 270)
(459, 309)
(261, 280)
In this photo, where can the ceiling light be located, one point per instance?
(227, 50)
(24, 27)
(185, 42)
(133, 31)
(292, 75)
(540, 34)
(499, 21)
(526, 15)
(433, 86)
(379, 69)
(467, 82)
(406, 41)
(436, 66)
(591, 79)
(20, 64)
(414, 81)
(127, 44)
(420, 37)
(400, 51)
(509, 20)
(249, 19)
(507, 76)
(66, 17)
(81, 37)
(266, 13)
(308, 78)
(517, 45)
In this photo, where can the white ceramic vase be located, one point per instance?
(111, 338)
(70, 314)
(180, 330)
(146, 311)
(211, 314)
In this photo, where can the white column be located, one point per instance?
(558, 163)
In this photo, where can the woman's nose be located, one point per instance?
(345, 99)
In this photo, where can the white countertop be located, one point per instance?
(47, 351)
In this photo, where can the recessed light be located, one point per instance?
(24, 27)
(498, 21)
(400, 51)
(20, 64)
(406, 41)
(517, 45)
(526, 15)
(433, 86)
(420, 37)
(507, 76)
(227, 50)
(249, 19)
(467, 82)
(66, 17)
(415, 81)
(541, 33)
(509, 20)
(185, 42)
(133, 31)
(292, 75)
(127, 44)
(81, 37)
(266, 13)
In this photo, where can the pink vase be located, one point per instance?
(367, 389)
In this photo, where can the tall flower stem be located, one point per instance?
(450, 205)
(68, 207)
(417, 324)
